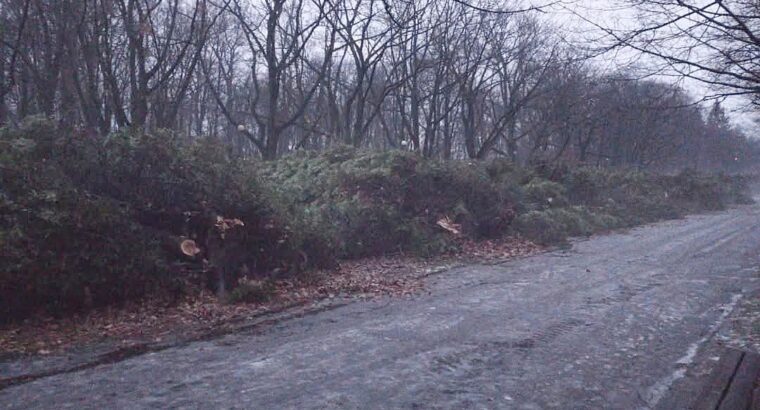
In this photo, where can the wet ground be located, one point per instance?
(628, 320)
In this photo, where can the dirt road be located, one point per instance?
(628, 320)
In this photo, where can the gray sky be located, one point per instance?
(571, 16)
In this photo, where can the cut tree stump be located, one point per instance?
(733, 385)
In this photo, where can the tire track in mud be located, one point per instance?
(623, 294)
(490, 351)
(592, 306)
(655, 250)
(543, 337)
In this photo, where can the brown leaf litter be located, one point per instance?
(153, 321)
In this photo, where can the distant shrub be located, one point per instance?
(737, 189)
(697, 192)
(586, 185)
(541, 227)
(603, 221)
(505, 172)
(576, 221)
(544, 194)
(556, 225)
(602, 199)
(362, 203)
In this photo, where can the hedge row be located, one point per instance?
(88, 222)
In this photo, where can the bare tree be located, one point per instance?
(716, 42)
(444, 78)
(163, 39)
(12, 29)
(278, 35)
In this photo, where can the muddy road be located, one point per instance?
(627, 320)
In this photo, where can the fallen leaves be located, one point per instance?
(493, 251)
(154, 320)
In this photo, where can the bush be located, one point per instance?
(55, 236)
(606, 199)
(556, 225)
(697, 192)
(87, 222)
(374, 203)
(737, 189)
(541, 227)
(54, 244)
(586, 185)
(544, 194)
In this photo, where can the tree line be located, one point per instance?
(444, 78)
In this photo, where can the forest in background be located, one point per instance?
(442, 78)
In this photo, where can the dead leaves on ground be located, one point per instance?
(496, 250)
(153, 321)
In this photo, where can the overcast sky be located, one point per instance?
(572, 16)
